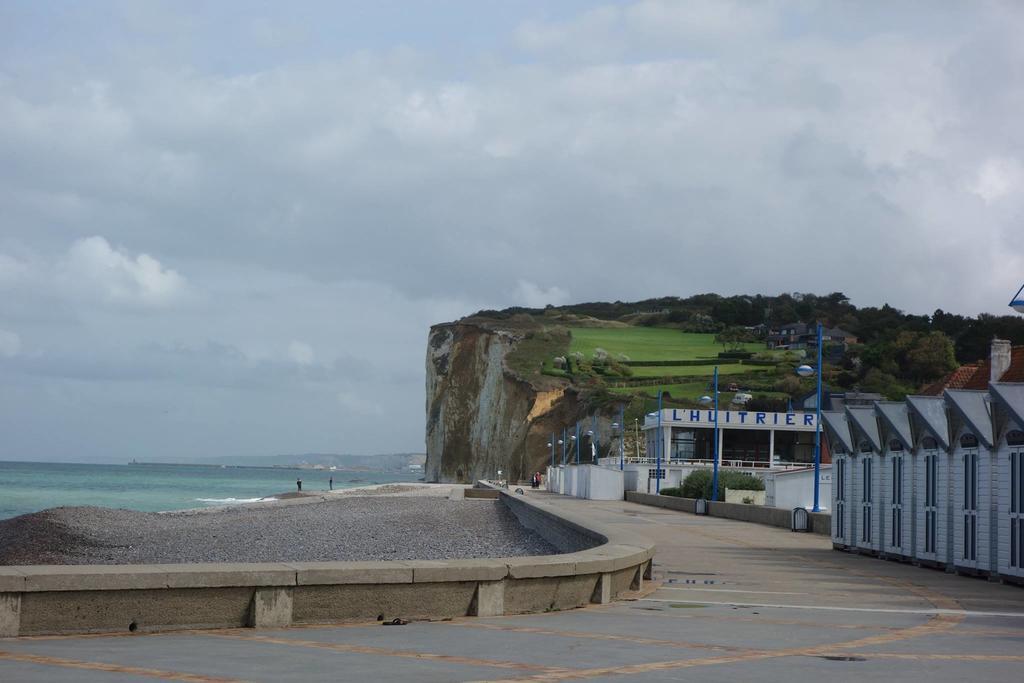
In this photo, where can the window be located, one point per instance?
(969, 441)
(930, 507)
(865, 447)
(895, 445)
(1017, 509)
(929, 444)
(866, 467)
(970, 464)
(1015, 437)
(655, 474)
(840, 484)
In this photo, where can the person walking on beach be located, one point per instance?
(298, 482)
(330, 484)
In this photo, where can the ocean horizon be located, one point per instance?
(158, 487)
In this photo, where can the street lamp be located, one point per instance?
(1017, 303)
(807, 371)
(714, 455)
(593, 451)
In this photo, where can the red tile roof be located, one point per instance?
(977, 375)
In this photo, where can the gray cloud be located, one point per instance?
(263, 218)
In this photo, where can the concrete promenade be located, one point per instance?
(731, 601)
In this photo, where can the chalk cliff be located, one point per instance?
(483, 415)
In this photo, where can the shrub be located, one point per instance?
(698, 483)
(673, 491)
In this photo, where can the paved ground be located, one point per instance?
(736, 602)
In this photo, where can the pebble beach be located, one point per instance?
(393, 522)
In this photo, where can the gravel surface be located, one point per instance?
(352, 528)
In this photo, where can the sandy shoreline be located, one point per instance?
(376, 522)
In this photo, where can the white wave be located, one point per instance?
(224, 501)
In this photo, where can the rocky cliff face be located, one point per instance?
(481, 415)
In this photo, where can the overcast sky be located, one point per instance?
(226, 227)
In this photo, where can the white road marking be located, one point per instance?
(725, 590)
(955, 612)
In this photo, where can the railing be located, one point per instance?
(702, 462)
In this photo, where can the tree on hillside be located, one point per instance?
(930, 357)
(733, 338)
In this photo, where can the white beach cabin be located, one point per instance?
(972, 477)
(898, 445)
(840, 445)
(932, 532)
(1008, 404)
(867, 478)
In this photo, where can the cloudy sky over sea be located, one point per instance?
(225, 227)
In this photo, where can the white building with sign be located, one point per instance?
(777, 447)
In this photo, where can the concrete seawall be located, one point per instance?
(42, 600)
(821, 522)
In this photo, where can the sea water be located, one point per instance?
(33, 486)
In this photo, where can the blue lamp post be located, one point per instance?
(714, 467)
(622, 436)
(551, 445)
(714, 453)
(561, 442)
(657, 450)
(576, 440)
(807, 371)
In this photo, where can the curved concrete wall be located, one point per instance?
(758, 514)
(37, 600)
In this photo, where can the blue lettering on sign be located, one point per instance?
(711, 416)
(790, 417)
(743, 416)
(775, 418)
(727, 416)
(675, 415)
(759, 418)
(694, 416)
(808, 420)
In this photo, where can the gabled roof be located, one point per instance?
(1011, 397)
(976, 376)
(836, 423)
(897, 416)
(864, 420)
(957, 379)
(932, 412)
(973, 408)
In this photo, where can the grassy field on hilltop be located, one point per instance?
(649, 343)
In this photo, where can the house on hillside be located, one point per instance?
(805, 336)
(1004, 364)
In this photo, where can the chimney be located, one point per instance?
(1000, 358)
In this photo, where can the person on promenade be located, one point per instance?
(330, 484)
(298, 483)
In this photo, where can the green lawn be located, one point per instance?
(694, 370)
(649, 343)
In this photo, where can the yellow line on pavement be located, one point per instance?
(589, 635)
(388, 652)
(936, 624)
(112, 668)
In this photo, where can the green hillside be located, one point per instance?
(649, 343)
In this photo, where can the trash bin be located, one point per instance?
(801, 521)
(701, 507)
